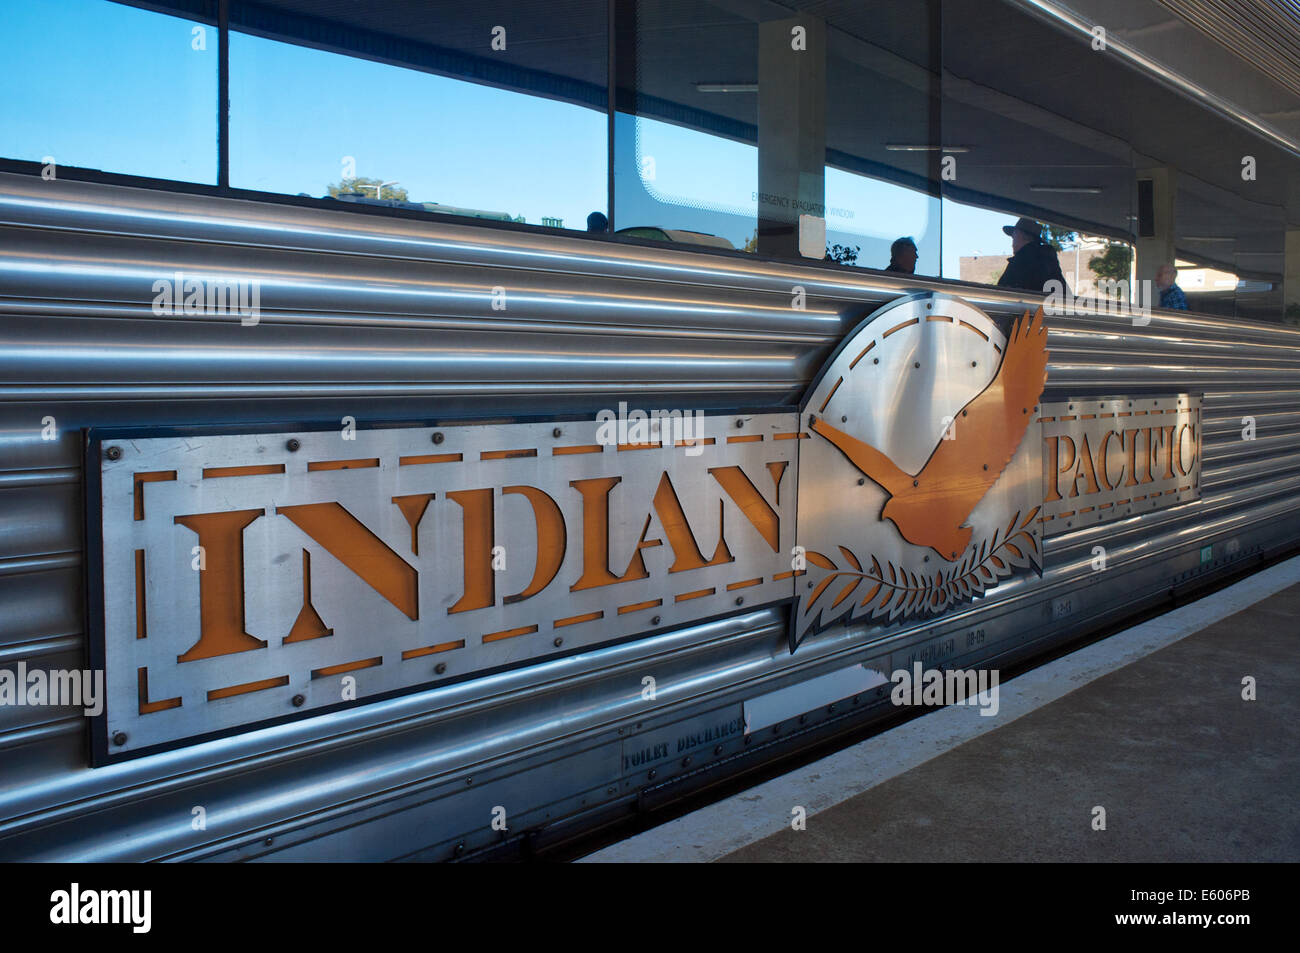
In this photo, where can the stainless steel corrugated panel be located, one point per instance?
(391, 318)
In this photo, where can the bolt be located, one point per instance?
(717, 749)
(437, 437)
(269, 841)
(293, 445)
(119, 739)
(740, 423)
(440, 668)
(844, 418)
(556, 432)
(653, 774)
(686, 762)
(460, 848)
(875, 360)
(925, 558)
(740, 600)
(469, 781)
(973, 363)
(830, 709)
(986, 466)
(299, 701)
(810, 585)
(862, 481)
(916, 483)
(558, 642)
(113, 453)
(654, 620)
(916, 363)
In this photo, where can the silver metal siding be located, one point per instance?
(388, 318)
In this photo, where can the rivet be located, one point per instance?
(916, 363)
(299, 701)
(740, 423)
(717, 749)
(862, 481)
(460, 848)
(916, 483)
(437, 437)
(654, 620)
(1072, 406)
(653, 774)
(440, 668)
(469, 780)
(119, 739)
(293, 445)
(844, 419)
(875, 360)
(972, 363)
(810, 585)
(556, 432)
(963, 413)
(686, 761)
(113, 453)
(558, 642)
(740, 600)
(269, 841)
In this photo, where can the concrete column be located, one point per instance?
(791, 130)
(1158, 249)
(1291, 277)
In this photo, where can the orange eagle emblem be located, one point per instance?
(930, 507)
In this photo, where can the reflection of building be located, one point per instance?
(1079, 276)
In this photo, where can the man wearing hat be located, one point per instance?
(1034, 262)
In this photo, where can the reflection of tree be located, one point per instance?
(368, 187)
(751, 246)
(843, 254)
(1058, 237)
(1113, 263)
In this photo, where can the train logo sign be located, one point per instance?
(922, 485)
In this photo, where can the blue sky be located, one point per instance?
(133, 91)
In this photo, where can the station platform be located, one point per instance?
(1149, 724)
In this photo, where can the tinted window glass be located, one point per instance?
(99, 85)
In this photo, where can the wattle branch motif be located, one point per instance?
(896, 590)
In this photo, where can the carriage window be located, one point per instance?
(98, 85)
(492, 111)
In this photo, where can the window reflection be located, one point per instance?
(98, 85)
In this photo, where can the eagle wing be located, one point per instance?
(869, 461)
(992, 424)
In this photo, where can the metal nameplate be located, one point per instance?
(1106, 459)
(248, 578)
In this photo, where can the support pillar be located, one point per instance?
(1155, 242)
(791, 130)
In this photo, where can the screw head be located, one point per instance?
(654, 620)
(440, 668)
(717, 749)
(113, 453)
(916, 363)
(686, 761)
(844, 418)
(292, 445)
(974, 363)
(269, 841)
(875, 360)
(862, 481)
(299, 701)
(558, 642)
(916, 483)
(740, 600)
(556, 432)
(653, 774)
(119, 738)
(437, 437)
